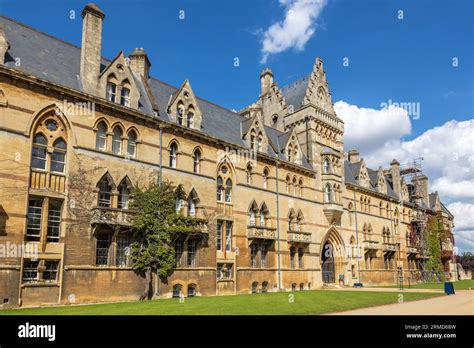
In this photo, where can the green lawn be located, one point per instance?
(305, 302)
(459, 285)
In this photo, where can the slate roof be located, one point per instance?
(295, 92)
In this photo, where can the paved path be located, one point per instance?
(462, 303)
(383, 289)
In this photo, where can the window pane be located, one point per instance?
(30, 271)
(38, 157)
(58, 160)
(191, 259)
(54, 221)
(178, 252)
(50, 274)
(219, 235)
(102, 250)
(35, 209)
(228, 233)
(123, 244)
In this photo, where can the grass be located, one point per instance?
(459, 285)
(305, 302)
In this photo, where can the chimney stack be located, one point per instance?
(353, 156)
(92, 17)
(266, 81)
(4, 46)
(139, 63)
(395, 172)
(421, 188)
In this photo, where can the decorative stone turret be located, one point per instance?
(266, 81)
(91, 47)
(353, 156)
(139, 63)
(395, 173)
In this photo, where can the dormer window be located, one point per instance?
(190, 119)
(111, 91)
(260, 142)
(125, 96)
(180, 113)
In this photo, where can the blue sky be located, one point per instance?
(403, 60)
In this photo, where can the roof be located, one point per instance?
(295, 92)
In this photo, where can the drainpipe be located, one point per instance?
(357, 238)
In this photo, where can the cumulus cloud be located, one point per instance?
(447, 150)
(294, 30)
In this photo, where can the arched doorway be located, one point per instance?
(327, 259)
(333, 260)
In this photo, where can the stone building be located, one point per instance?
(287, 208)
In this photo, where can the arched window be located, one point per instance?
(105, 190)
(254, 287)
(38, 156)
(252, 140)
(220, 189)
(263, 215)
(190, 118)
(350, 209)
(117, 140)
(291, 220)
(58, 157)
(125, 96)
(173, 155)
(111, 89)
(192, 202)
(295, 187)
(264, 178)
(293, 287)
(328, 193)
(132, 143)
(387, 210)
(300, 185)
(252, 212)
(177, 290)
(124, 194)
(290, 153)
(101, 137)
(326, 166)
(299, 221)
(249, 174)
(288, 185)
(191, 290)
(264, 286)
(180, 113)
(228, 191)
(260, 141)
(197, 161)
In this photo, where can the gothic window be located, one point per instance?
(299, 221)
(58, 157)
(350, 209)
(191, 253)
(178, 252)
(111, 88)
(291, 220)
(124, 194)
(180, 113)
(191, 290)
(177, 290)
(260, 142)
(132, 143)
(253, 255)
(173, 150)
(125, 95)
(264, 287)
(105, 190)
(252, 140)
(292, 257)
(326, 166)
(300, 258)
(121, 253)
(263, 255)
(220, 189)
(300, 186)
(228, 191)
(228, 236)
(249, 174)
(252, 212)
(295, 187)
(102, 249)
(117, 140)
(288, 184)
(290, 153)
(190, 118)
(38, 156)
(197, 161)
(254, 287)
(264, 178)
(101, 137)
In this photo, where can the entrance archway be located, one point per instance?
(327, 267)
(333, 261)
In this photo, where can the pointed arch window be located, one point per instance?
(101, 137)
(249, 174)
(38, 155)
(263, 215)
(117, 141)
(132, 143)
(192, 203)
(173, 155)
(252, 212)
(125, 96)
(228, 191)
(190, 118)
(58, 157)
(295, 187)
(326, 166)
(265, 178)
(105, 190)
(180, 114)
(287, 187)
(111, 91)
(220, 189)
(260, 142)
(197, 161)
(252, 139)
(124, 194)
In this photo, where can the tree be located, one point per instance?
(466, 260)
(435, 235)
(155, 227)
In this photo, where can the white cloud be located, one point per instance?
(295, 30)
(447, 150)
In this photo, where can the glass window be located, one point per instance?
(122, 252)
(50, 273)
(264, 180)
(328, 193)
(132, 144)
(178, 252)
(219, 235)
(254, 287)
(191, 253)
(111, 91)
(54, 221)
(262, 218)
(58, 157)
(220, 189)
(177, 290)
(30, 271)
(326, 166)
(263, 255)
(191, 290)
(102, 249)
(300, 257)
(38, 154)
(104, 193)
(125, 96)
(173, 155)
(191, 207)
(264, 287)
(190, 119)
(35, 209)
(228, 191)
(253, 255)
(124, 196)
(117, 141)
(292, 257)
(252, 217)
(196, 161)
(180, 113)
(228, 234)
(101, 137)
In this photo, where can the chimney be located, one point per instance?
(421, 188)
(92, 17)
(353, 156)
(139, 63)
(4, 46)
(266, 81)
(395, 172)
